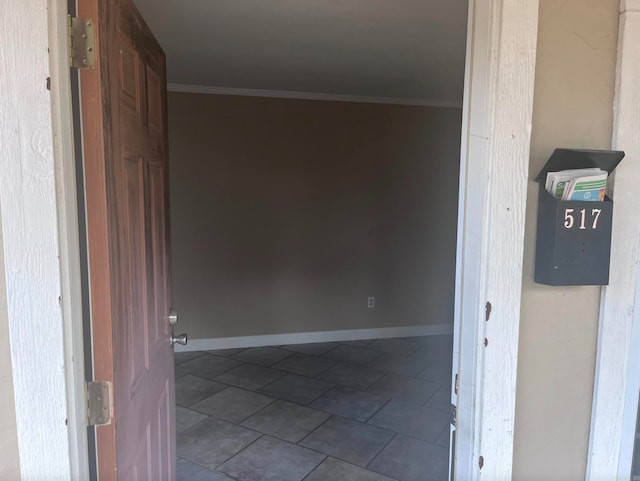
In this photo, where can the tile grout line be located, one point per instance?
(380, 451)
(299, 443)
(440, 386)
(268, 366)
(433, 443)
(193, 425)
(295, 402)
(447, 428)
(328, 456)
(318, 397)
(281, 375)
(262, 435)
(236, 454)
(377, 411)
(213, 355)
(204, 378)
(196, 463)
(193, 408)
(294, 354)
(275, 400)
(423, 370)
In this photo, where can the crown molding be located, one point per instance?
(285, 94)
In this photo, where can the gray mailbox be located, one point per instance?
(573, 243)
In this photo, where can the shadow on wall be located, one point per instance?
(288, 214)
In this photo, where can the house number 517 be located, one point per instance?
(571, 216)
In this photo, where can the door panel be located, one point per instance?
(125, 154)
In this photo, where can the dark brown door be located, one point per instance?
(125, 153)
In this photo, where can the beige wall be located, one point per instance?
(9, 462)
(572, 108)
(288, 214)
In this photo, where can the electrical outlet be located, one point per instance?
(371, 302)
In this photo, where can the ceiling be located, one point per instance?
(401, 49)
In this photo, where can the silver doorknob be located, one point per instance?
(173, 318)
(181, 339)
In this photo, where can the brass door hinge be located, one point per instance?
(82, 43)
(98, 403)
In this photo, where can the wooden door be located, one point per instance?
(123, 106)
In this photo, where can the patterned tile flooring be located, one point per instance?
(372, 410)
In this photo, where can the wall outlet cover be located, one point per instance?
(371, 302)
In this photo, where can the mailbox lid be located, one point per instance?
(564, 159)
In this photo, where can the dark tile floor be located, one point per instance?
(374, 410)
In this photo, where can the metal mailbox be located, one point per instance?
(573, 243)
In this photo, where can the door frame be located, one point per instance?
(613, 417)
(497, 113)
(496, 133)
(41, 248)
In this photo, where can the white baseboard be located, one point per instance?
(308, 337)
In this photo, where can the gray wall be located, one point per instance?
(9, 461)
(287, 214)
(558, 328)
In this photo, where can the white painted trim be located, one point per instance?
(497, 117)
(308, 337)
(68, 238)
(617, 377)
(32, 253)
(284, 94)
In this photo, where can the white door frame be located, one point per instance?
(496, 131)
(41, 251)
(617, 379)
(40, 230)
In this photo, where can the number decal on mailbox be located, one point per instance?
(569, 219)
(596, 214)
